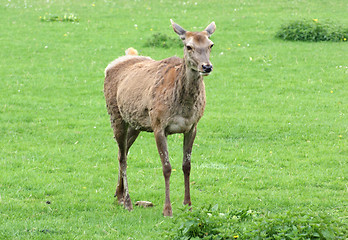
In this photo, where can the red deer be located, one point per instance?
(164, 97)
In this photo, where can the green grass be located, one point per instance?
(273, 138)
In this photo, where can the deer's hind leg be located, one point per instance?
(120, 128)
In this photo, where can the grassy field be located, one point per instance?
(273, 138)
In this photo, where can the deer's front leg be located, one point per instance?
(186, 165)
(161, 141)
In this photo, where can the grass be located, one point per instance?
(273, 138)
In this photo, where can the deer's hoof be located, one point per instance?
(128, 203)
(167, 211)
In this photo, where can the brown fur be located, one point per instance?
(164, 97)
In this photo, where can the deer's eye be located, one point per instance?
(189, 48)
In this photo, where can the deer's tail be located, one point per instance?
(131, 51)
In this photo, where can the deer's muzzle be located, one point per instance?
(206, 69)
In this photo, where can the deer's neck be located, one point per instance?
(189, 85)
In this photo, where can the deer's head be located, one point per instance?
(197, 47)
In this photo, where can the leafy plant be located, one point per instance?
(294, 226)
(313, 31)
(69, 17)
(163, 40)
(209, 223)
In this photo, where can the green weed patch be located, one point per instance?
(313, 31)
(210, 223)
(163, 41)
(69, 17)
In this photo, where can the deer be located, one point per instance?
(164, 97)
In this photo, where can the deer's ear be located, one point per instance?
(179, 30)
(210, 29)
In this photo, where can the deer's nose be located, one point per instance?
(207, 68)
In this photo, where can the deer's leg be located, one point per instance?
(119, 187)
(122, 193)
(116, 124)
(189, 137)
(161, 141)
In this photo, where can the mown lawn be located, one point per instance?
(273, 139)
